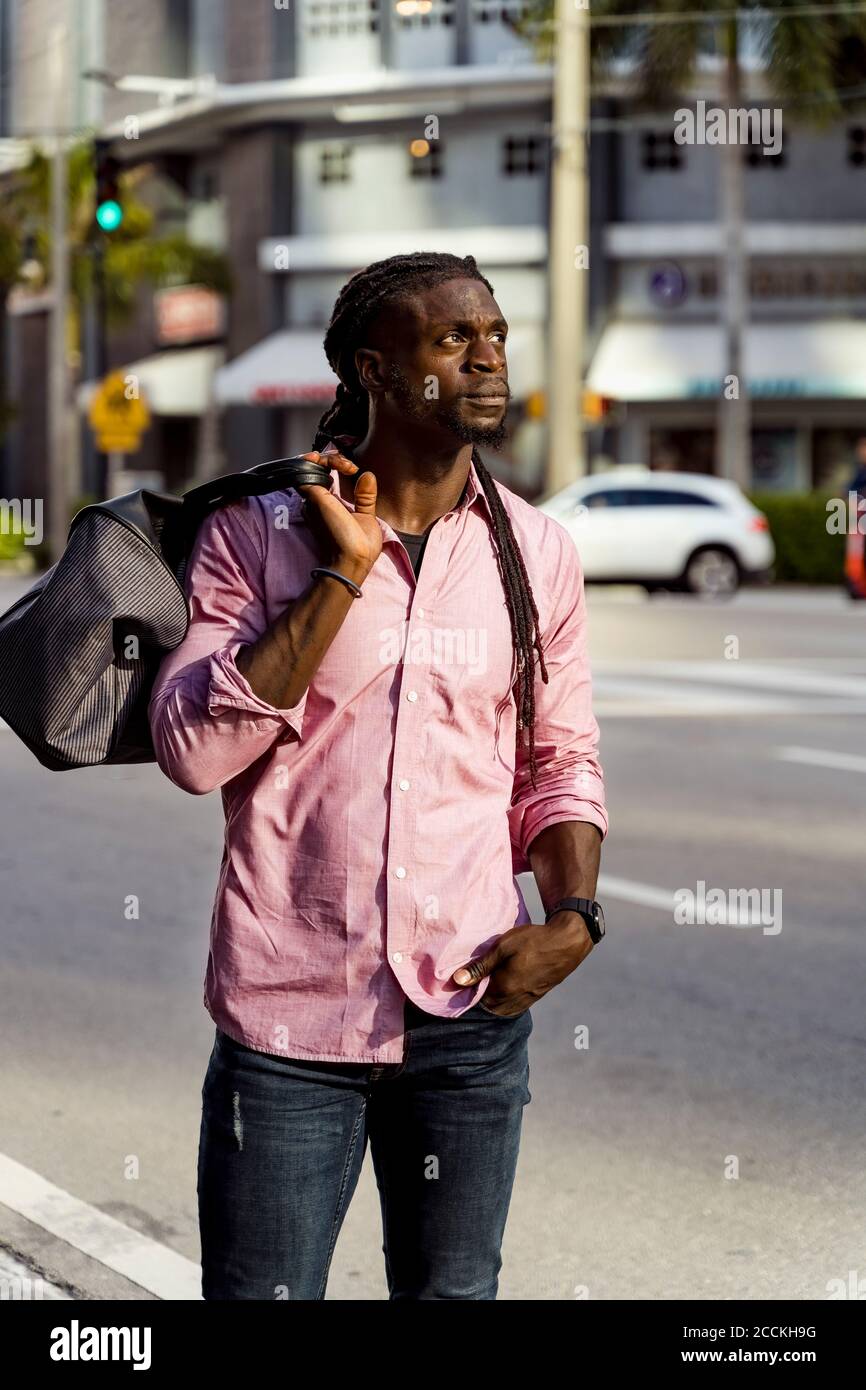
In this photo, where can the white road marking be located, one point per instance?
(779, 675)
(644, 894)
(664, 899)
(138, 1258)
(705, 688)
(821, 757)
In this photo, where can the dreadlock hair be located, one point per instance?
(358, 304)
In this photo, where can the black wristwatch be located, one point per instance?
(588, 909)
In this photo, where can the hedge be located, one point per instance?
(806, 553)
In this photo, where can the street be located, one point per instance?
(707, 1143)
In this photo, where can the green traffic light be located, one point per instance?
(109, 215)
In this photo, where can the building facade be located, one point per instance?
(660, 356)
(305, 139)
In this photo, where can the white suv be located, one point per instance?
(664, 530)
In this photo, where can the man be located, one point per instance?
(372, 963)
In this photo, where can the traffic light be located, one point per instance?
(109, 209)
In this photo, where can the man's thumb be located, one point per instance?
(364, 493)
(476, 970)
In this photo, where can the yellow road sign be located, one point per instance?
(118, 416)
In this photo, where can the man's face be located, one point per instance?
(443, 361)
(861, 449)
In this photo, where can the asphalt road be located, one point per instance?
(707, 1144)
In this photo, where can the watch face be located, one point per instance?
(599, 919)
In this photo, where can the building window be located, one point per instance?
(755, 158)
(336, 18)
(660, 151)
(509, 14)
(335, 164)
(522, 154)
(857, 146)
(429, 165)
(423, 14)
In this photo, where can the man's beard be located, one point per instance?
(415, 406)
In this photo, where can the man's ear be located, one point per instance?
(370, 366)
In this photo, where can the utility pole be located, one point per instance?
(569, 245)
(58, 366)
(734, 434)
(100, 348)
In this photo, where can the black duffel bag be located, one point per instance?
(80, 650)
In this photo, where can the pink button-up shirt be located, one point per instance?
(373, 830)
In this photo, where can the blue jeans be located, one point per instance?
(283, 1140)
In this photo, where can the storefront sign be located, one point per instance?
(188, 314)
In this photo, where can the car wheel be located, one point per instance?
(712, 573)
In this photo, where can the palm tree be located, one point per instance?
(813, 58)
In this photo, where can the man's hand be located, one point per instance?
(527, 961)
(348, 541)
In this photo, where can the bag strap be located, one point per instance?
(253, 482)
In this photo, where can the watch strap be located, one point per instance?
(583, 906)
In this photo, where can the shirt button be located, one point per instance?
(397, 957)
(401, 872)
(413, 695)
(403, 784)
(420, 612)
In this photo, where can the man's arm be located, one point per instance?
(237, 683)
(280, 664)
(565, 859)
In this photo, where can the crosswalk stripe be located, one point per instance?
(821, 757)
(138, 1258)
(724, 688)
(629, 891)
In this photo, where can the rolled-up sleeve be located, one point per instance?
(570, 782)
(207, 723)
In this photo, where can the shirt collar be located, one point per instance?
(474, 490)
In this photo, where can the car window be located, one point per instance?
(611, 497)
(672, 497)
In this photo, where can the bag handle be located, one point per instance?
(253, 482)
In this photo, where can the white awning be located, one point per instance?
(288, 368)
(172, 383)
(817, 359)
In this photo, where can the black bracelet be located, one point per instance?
(335, 574)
